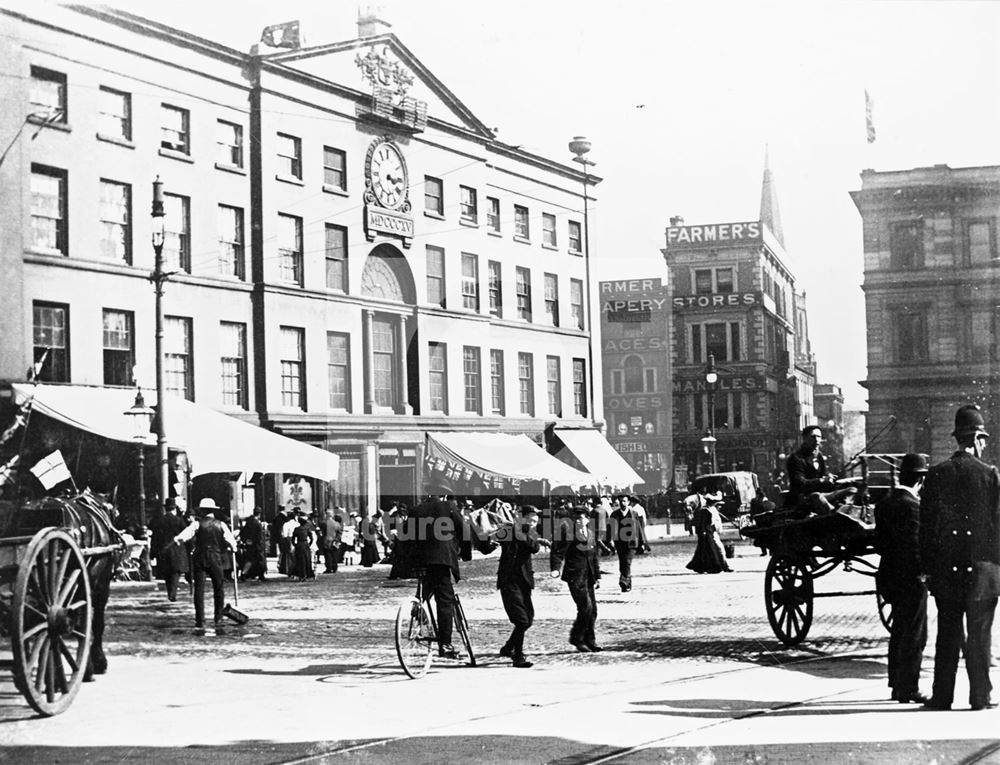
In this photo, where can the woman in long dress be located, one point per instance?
(302, 550)
(709, 554)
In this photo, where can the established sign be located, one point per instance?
(381, 221)
(714, 233)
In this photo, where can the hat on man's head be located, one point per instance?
(913, 464)
(580, 508)
(207, 503)
(969, 421)
(715, 496)
(170, 504)
(441, 486)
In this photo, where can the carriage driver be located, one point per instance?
(806, 468)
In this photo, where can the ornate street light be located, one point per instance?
(708, 445)
(711, 378)
(140, 416)
(580, 146)
(158, 277)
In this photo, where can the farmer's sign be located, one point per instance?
(714, 233)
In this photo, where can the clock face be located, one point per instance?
(387, 172)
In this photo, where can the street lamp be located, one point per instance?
(158, 277)
(580, 146)
(708, 445)
(711, 378)
(141, 416)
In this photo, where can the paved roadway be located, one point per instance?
(691, 674)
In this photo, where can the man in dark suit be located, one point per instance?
(437, 530)
(171, 560)
(806, 467)
(626, 533)
(960, 554)
(897, 524)
(574, 553)
(516, 579)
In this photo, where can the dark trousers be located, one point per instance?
(437, 582)
(907, 640)
(625, 554)
(331, 557)
(516, 597)
(170, 579)
(979, 623)
(215, 573)
(586, 612)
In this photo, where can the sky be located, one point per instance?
(680, 100)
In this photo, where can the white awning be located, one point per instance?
(214, 442)
(509, 456)
(597, 456)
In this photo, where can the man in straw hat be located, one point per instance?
(960, 554)
(897, 524)
(212, 542)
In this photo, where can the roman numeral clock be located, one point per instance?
(387, 192)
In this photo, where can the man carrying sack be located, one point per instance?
(213, 544)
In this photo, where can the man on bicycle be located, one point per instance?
(439, 537)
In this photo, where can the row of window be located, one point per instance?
(906, 243)
(51, 341)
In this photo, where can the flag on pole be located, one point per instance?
(282, 35)
(36, 369)
(869, 121)
(7, 470)
(19, 420)
(51, 471)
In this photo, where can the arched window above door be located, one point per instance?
(387, 276)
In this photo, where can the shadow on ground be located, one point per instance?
(514, 750)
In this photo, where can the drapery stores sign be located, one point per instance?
(717, 300)
(714, 233)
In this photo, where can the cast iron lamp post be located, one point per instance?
(711, 378)
(580, 146)
(158, 277)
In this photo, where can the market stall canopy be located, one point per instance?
(597, 456)
(214, 442)
(508, 456)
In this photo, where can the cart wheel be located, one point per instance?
(415, 637)
(462, 625)
(51, 621)
(788, 597)
(884, 609)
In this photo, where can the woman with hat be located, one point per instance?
(709, 554)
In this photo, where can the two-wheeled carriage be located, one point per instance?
(808, 542)
(49, 550)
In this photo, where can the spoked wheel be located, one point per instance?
(415, 637)
(788, 596)
(884, 608)
(51, 621)
(462, 625)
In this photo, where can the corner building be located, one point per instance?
(931, 301)
(734, 298)
(356, 260)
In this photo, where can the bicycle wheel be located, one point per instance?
(462, 625)
(414, 638)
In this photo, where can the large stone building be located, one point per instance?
(356, 261)
(931, 288)
(735, 305)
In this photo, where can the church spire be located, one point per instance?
(770, 214)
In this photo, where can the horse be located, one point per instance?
(87, 518)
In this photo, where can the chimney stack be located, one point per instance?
(370, 21)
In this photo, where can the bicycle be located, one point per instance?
(416, 633)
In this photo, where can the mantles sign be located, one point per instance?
(381, 221)
(714, 233)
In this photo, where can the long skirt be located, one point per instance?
(709, 555)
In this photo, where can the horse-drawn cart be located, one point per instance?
(54, 554)
(805, 545)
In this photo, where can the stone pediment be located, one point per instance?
(401, 90)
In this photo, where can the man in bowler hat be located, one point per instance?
(574, 557)
(897, 525)
(960, 554)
